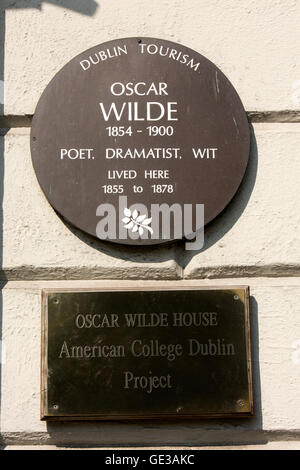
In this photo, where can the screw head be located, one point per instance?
(240, 403)
(236, 297)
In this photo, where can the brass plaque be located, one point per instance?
(146, 354)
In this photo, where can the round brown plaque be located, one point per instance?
(133, 137)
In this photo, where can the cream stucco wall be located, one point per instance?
(255, 241)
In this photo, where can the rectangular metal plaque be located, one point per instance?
(146, 354)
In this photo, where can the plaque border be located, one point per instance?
(44, 416)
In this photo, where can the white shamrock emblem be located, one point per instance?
(135, 222)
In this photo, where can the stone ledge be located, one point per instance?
(275, 270)
(123, 437)
(128, 270)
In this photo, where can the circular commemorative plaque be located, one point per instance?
(140, 141)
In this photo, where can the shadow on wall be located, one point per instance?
(84, 7)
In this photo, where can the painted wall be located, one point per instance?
(255, 241)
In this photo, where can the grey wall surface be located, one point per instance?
(254, 242)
